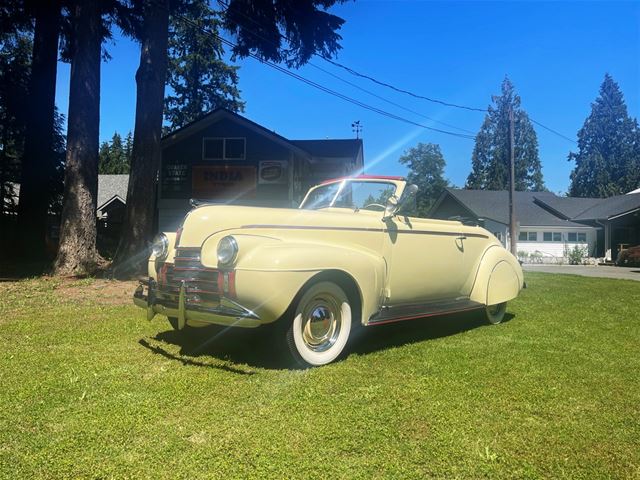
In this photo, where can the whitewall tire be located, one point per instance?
(321, 325)
(495, 313)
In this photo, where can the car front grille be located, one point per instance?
(201, 283)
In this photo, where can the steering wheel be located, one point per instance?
(382, 207)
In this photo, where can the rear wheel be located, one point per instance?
(495, 313)
(321, 325)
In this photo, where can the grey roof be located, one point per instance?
(110, 186)
(338, 148)
(611, 207)
(567, 207)
(494, 205)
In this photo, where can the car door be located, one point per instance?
(425, 260)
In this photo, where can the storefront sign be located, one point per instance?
(175, 180)
(273, 172)
(224, 182)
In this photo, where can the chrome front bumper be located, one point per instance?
(227, 312)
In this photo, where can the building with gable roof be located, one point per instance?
(224, 157)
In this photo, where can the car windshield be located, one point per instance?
(350, 194)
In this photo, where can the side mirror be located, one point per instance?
(394, 204)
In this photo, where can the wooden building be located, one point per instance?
(224, 157)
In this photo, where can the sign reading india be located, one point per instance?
(223, 182)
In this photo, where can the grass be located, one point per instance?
(89, 389)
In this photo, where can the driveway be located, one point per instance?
(628, 273)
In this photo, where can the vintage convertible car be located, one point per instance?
(346, 258)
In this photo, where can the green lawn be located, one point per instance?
(89, 389)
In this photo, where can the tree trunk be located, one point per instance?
(77, 254)
(38, 159)
(151, 76)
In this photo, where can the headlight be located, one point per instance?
(160, 246)
(227, 250)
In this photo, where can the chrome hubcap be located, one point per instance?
(321, 321)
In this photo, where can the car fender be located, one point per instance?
(270, 273)
(498, 278)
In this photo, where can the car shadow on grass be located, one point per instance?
(263, 347)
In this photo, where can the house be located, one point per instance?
(224, 157)
(549, 225)
(618, 219)
(540, 231)
(112, 197)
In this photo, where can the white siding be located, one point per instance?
(556, 250)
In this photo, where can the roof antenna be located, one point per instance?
(356, 127)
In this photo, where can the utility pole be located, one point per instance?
(512, 187)
(356, 127)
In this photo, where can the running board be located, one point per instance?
(398, 313)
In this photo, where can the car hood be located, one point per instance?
(205, 221)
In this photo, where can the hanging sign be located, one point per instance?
(273, 172)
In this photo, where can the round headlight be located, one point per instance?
(160, 246)
(227, 250)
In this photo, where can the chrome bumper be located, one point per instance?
(228, 312)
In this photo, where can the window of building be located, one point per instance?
(582, 237)
(572, 237)
(528, 237)
(551, 237)
(223, 148)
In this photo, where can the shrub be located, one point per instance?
(576, 255)
(629, 257)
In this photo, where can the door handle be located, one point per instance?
(461, 237)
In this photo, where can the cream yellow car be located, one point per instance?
(346, 258)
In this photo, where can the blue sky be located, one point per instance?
(556, 54)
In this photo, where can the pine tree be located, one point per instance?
(200, 80)
(491, 155)
(608, 158)
(426, 169)
(114, 156)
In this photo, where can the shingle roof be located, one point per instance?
(337, 148)
(611, 207)
(110, 186)
(494, 205)
(568, 207)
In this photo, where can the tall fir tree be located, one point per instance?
(197, 75)
(608, 158)
(426, 169)
(115, 156)
(491, 155)
(15, 67)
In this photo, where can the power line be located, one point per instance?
(553, 131)
(384, 84)
(402, 107)
(321, 87)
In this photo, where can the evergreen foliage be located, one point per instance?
(115, 156)
(491, 155)
(15, 69)
(198, 77)
(608, 158)
(426, 169)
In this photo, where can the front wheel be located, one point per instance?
(495, 313)
(321, 325)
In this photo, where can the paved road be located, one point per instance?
(588, 271)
